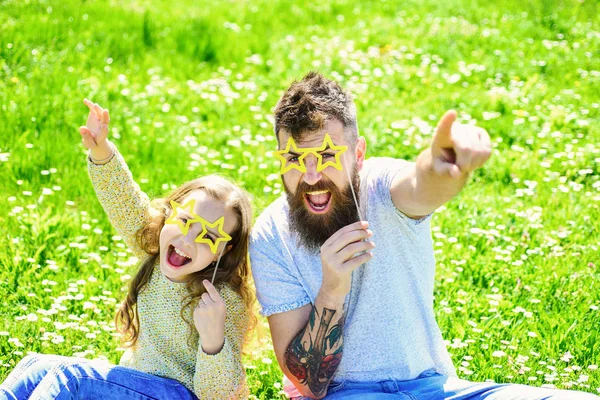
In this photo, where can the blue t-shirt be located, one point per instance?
(390, 330)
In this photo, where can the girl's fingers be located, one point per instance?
(87, 137)
(105, 117)
(210, 289)
(207, 299)
(89, 105)
(84, 130)
(93, 110)
(98, 111)
(103, 134)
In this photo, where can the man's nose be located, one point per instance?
(311, 176)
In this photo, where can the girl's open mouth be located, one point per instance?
(177, 258)
(318, 201)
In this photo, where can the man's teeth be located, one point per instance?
(318, 192)
(181, 253)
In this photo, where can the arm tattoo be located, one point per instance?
(313, 357)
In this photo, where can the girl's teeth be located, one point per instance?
(182, 254)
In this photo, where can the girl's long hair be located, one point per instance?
(234, 267)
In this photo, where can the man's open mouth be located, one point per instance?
(177, 257)
(318, 201)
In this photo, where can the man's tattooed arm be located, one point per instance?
(315, 353)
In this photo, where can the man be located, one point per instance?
(348, 291)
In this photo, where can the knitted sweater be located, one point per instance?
(162, 347)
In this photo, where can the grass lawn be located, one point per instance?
(191, 90)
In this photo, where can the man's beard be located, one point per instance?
(314, 229)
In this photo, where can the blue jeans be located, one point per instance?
(42, 376)
(432, 386)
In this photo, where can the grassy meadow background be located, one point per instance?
(191, 89)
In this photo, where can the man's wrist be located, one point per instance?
(424, 163)
(331, 300)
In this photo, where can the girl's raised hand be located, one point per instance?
(209, 319)
(94, 134)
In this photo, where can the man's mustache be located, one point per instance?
(304, 187)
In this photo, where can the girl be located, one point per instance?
(184, 334)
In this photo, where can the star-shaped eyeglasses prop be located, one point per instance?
(203, 237)
(175, 219)
(301, 153)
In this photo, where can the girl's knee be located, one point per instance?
(29, 359)
(26, 376)
(38, 363)
(28, 362)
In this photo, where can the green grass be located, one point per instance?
(191, 89)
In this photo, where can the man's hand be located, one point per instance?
(457, 149)
(442, 170)
(341, 254)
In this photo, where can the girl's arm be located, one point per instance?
(222, 375)
(127, 207)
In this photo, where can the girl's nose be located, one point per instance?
(193, 232)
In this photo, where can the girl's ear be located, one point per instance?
(229, 247)
(166, 209)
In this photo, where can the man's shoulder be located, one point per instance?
(272, 220)
(375, 166)
(378, 173)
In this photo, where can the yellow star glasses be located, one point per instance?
(301, 153)
(176, 219)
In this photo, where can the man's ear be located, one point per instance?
(360, 151)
